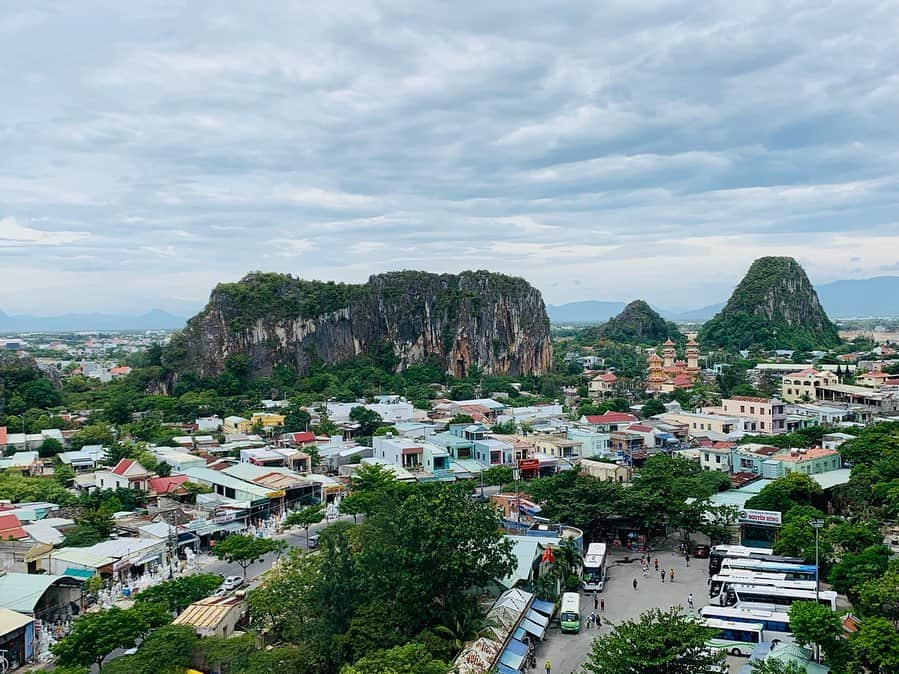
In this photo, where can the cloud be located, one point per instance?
(14, 235)
(644, 150)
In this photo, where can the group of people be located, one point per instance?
(644, 568)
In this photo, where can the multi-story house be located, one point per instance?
(769, 414)
(802, 386)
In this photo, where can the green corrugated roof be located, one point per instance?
(22, 591)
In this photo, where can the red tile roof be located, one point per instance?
(639, 428)
(813, 453)
(807, 372)
(2, 435)
(302, 437)
(611, 418)
(11, 528)
(166, 485)
(751, 399)
(608, 376)
(122, 466)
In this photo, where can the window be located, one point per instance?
(742, 408)
(752, 410)
(761, 424)
(717, 459)
(761, 411)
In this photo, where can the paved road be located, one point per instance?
(568, 652)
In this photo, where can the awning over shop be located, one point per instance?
(152, 557)
(544, 607)
(502, 669)
(513, 656)
(533, 628)
(538, 618)
(78, 573)
(519, 633)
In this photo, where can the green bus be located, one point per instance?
(570, 615)
(736, 638)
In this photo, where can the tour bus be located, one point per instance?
(720, 552)
(776, 624)
(736, 638)
(595, 567)
(720, 585)
(738, 595)
(570, 615)
(791, 571)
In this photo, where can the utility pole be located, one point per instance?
(816, 525)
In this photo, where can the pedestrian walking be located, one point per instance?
(670, 575)
(594, 619)
(690, 601)
(548, 667)
(635, 584)
(687, 557)
(595, 600)
(602, 604)
(657, 563)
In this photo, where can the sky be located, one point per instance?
(608, 150)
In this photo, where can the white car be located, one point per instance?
(232, 583)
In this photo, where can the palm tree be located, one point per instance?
(570, 555)
(468, 625)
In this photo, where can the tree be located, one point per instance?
(659, 641)
(63, 473)
(505, 428)
(283, 603)
(95, 635)
(176, 594)
(786, 492)
(82, 535)
(305, 518)
(98, 434)
(244, 550)
(163, 469)
(409, 659)
(462, 419)
(168, 650)
(296, 418)
(497, 475)
(49, 447)
(854, 570)
(880, 596)
(876, 646)
(814, 623)
(367, 419)
(652, 407)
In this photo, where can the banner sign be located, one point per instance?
(769, 517)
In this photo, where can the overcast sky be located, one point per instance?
(602, 150)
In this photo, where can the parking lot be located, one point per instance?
(568, 652)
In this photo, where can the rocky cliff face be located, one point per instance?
(495, 322)
(774, 306)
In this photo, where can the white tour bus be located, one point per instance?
(720, 585)
(791, 571)
(594, 575)
(776, 624)
(775, 596)
(736, 638)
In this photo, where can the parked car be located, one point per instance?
(232, 583)
(701, 551)
(313, 541)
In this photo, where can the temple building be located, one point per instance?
(667, 373)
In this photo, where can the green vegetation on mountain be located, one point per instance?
(638, 323)
(774, 306)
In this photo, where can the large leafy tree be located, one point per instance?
(367, 419)
(876, 646)
(168, 650)
(787, 492)
(283, 603)
(880, 596)
(95, 635)
(306, 517)
(176, 594)
(409, 659)
(245, 550)
(856, 569)
(659, 642)
(816, 624)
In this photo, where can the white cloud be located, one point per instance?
(15, 235)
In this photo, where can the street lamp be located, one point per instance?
(816, 525)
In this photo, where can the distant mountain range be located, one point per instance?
(152, 320)
(878, 296)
